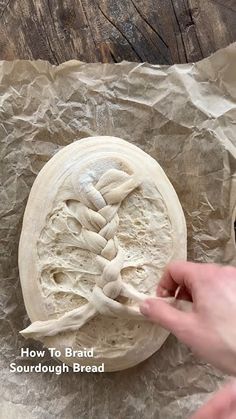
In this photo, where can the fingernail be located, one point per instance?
(162, 292)
(145, 308)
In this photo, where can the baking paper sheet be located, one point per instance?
(185, 117)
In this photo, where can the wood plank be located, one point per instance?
(157, 31)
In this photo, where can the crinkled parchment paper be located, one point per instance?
(185, 117)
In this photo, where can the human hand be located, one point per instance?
(221, 406)
(210, 328)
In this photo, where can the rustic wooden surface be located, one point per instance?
(157, 31)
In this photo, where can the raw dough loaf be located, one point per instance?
(101, 223)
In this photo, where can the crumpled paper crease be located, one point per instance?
(183, 116)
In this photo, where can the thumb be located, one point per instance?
(177, 322)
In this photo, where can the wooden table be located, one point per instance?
(157, 31)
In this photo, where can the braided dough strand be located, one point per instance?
(97, 213)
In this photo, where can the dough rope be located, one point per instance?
(97, 213)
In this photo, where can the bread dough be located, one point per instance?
(101, 223)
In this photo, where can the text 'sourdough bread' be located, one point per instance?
(101, 223)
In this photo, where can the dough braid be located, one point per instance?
(97, 214)
(98, 217)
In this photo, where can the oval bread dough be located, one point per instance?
(101, 223)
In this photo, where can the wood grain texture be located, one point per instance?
(157, 31)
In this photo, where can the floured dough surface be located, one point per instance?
(61, 271)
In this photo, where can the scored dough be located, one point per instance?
(101, 223)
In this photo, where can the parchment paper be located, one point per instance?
(184, 116)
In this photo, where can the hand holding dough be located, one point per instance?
(208, 329)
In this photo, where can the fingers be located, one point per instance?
(167, 316)
(177, 274)
(221, 405)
